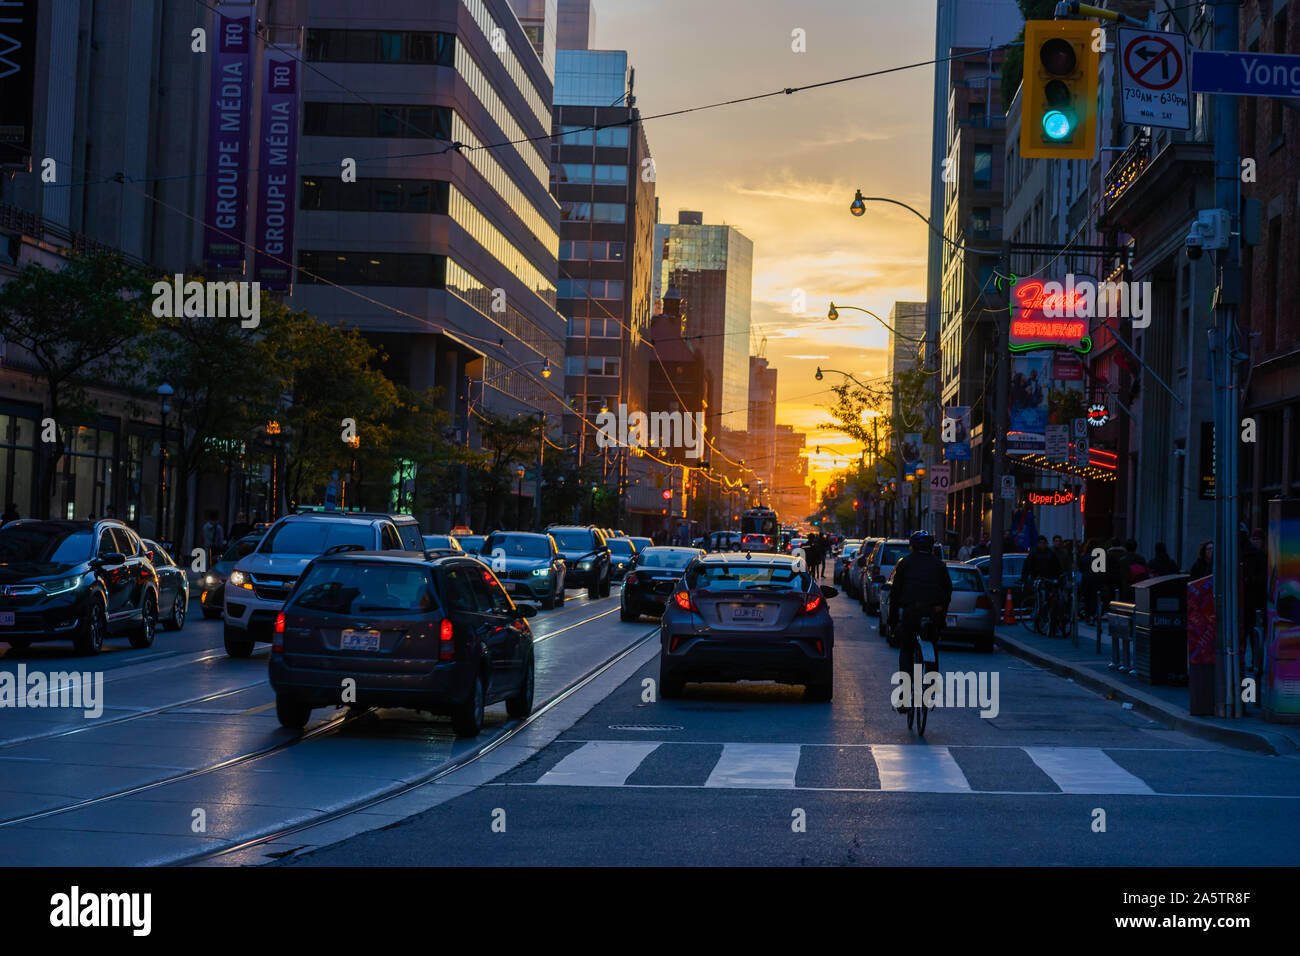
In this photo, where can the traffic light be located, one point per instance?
(668, 494)
(1058, 99)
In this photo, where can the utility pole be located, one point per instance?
(995, 438)
(537, 487)
(1227, 295)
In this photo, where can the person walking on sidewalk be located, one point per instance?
(1203, 566)
(1161, 562)
(213, 537)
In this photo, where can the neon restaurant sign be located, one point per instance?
(1044, 316)
(1051, 497)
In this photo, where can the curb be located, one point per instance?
(1265, 742)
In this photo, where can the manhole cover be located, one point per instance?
(650, 727)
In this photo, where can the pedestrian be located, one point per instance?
(240, 528)
(11, 513)
(1133, 569)
(110, 511)
(1203, 566)
(1161, 562)
(983, 547)
(965, 551)
(213, 537)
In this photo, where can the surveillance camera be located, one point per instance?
(1195, 243)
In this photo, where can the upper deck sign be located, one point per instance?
(1155, 81)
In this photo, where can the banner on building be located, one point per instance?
(277, 169)
(911, 452)
(1044, 391)
(956, 433)
(229, 109)
(17, 80)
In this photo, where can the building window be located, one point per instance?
(375, 195)
(18, 461)
(593, 288)
(381, 46)
(591, 251)
(983, 172)
(374, 268)
(574, 365)
(602, 365)
(388, 121)
(981, 222)
(593, 212)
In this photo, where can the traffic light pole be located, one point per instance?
(1002, 385)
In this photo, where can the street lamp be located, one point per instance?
(273, 432)
(519, 490)
(165, 392)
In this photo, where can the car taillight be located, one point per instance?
(277, 643)
(631, 578)
(683, 599)
(446, 647)
(814, 604)
(983, 603)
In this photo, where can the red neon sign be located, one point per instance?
(1051, 497)
(1031, 323)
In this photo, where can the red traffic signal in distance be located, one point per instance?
(855, 502)
(668, 494)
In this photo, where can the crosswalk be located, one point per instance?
(866, 767)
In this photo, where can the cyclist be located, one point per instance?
(1042, 563)
(920, 585)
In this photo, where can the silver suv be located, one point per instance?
(262, 579)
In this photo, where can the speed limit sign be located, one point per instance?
(940, 478)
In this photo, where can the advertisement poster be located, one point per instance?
(1280, 683)
(229, 108)
(911, 452)
(1030, 383)
(277, 169)
(956, 433)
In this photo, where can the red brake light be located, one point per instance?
(279, 623)
(277, 642)
(984, 603)
(446, 647)
(812, 605)
(683, 599)
(631, 578)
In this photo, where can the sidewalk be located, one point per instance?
(1092, 670)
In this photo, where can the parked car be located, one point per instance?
(212, 583)
(842, 559)
(723, 541)
(437, 634)
(1013, 566)
(441, 542)
(621, 553)
(262, 579)
(78, 581)
(173, 586)
(880, 566)
(971, 616)
(652, 578)
(747, 617)
(586, 556)
(853, 579)
(528, 565)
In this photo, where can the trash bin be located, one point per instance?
(1200, 647)
(1119, 618)
(1160, 629)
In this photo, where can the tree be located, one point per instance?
(506, 441)
(83, 322)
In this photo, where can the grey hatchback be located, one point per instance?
(748, 617)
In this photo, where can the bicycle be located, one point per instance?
(1048, 613)
(924, 654)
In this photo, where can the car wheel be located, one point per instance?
(212, 615)
(467, 718)
(176, 620)
(90, 638)
(521, 705)
(818, 693)
(548, 602)
(293, 714)
(625, 615)
(559, 597)
(144, 635)
(984, 645)
(237, 643)
(670, 687)
(593, 588)
(605, 586)
(17, 647)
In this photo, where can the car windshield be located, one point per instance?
(749, 577)
(621, 546)
(240, 548)
(43, 544)
(357, 588)
(432, 541)
(576, 540)
(965, 579)
(518, 546)
(890, 553)
(659, 558)
(315, 537)
(472, 542)
(849, 550)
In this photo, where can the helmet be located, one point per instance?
(921, 541)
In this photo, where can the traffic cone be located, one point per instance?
(1008, 610)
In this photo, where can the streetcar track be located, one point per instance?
(451, 766)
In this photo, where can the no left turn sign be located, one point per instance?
(1154, 78)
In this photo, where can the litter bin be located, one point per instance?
(1160, 629)
(1119, 618)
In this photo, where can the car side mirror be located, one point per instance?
(527, 610)
(113, 559)
(828, 591)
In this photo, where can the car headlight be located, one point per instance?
(584, 565)
(61, 585)
(209, 579)
(541, 572)
(240, 580)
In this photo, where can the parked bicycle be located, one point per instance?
(1047, 611)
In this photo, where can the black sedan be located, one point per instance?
(437, 634)
(173, 586)
(651, 578)
(78, 581)
(748, 617)
(212, 583)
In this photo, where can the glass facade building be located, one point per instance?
(712, 268)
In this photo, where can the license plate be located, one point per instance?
(512, 585)
(952, 620)
(359, 640)
(6, 618)
(746, 612)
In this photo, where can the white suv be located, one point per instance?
(262, 579)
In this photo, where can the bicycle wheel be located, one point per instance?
(922, 711)
(1031, 612)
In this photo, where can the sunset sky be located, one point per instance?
(783, 170)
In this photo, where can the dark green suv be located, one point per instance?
(586, 557)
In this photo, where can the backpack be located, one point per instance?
(1137, 572)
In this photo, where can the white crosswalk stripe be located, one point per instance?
(601, 763)
(924, 769)
(766, 766)
(1085, 770)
